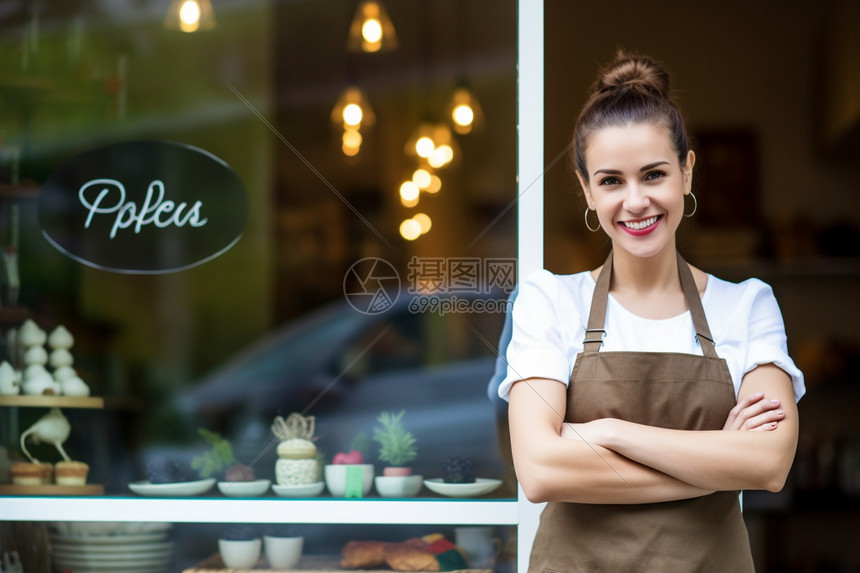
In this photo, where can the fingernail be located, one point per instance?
(774, 402)
(780, 413)
(759, 394)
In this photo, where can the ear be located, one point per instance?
(688, 172)
(585, 190)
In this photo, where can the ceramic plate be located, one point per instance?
(482, 486)
(117, 564)
(112, 549)
(309, 490)
(145, 556)
(244, 488)
(182, 489)
(109, 539)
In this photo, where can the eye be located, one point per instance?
(610, 181)
(656, 174)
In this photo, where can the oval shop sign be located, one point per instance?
(143, 207)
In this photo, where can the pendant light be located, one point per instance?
(190, 15)
(464, 111)
(352, 112)
(371, 29)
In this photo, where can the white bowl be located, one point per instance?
(336, 478)
(239, 554)
(305, 490)
(244, 488)
(283, 552)
(481, 486)
(398, 486)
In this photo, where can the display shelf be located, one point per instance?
(218, 510)
(307, 564)
(52, 489)
(25, 401)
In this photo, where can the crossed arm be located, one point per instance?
(614, 461)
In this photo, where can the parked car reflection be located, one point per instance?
(345, 367)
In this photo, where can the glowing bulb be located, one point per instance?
(189, 12)
(352, 114)
(463, 115)
(410, 229)
(351, 138)
(350, 151)
(421, 177)
(441, 156)
(409, 203)
(371, 31)
(409, 191)
(424, 147)
(435, 184)
(423, 221)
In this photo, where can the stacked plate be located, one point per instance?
(127, 548)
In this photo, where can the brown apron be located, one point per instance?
(669, 390)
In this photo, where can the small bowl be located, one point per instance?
(283, 552)
(398, 486)
(240, 554)
(307, 490)
(335, 478)
(253, 488)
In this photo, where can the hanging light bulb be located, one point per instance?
(352, 110)
(371, 29)
(435, 185)
(351, 142)
(421, 177)
(410, 229)
(465, 111)
(423, 221)
(190, 15)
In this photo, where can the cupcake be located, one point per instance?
(25, 473)
(71, 473)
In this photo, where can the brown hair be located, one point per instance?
(632, 89)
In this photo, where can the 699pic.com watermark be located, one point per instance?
(440, 285)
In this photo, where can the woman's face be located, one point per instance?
(637, 186)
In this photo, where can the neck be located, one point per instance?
(645, 275)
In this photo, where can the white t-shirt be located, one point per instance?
(551, 311)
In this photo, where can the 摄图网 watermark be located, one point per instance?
(440, 285)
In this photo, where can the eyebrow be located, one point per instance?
(644, 168)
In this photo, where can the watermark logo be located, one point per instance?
(439, 285)
(371, 285)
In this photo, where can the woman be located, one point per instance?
(645, 394)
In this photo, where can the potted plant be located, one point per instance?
(237, 478)
(349, 474)
(396, 448)
(240, 547)
(282, 546)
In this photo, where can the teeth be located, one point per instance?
(640, 224)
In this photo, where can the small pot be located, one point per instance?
(283, 552)
(397, 471)
(238, 554)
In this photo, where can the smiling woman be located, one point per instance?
(646, 393)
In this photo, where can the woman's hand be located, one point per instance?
(754, 412)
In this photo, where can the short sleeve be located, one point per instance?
(766, 342)
(537, 348)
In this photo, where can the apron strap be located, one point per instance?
(595, 330)
(697, 311)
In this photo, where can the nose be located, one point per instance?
(636, 200)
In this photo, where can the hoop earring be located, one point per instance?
(695, 205)
(587, 226)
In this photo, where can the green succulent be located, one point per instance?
(216, 459)
(396, 444)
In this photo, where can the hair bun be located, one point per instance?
(631, 70)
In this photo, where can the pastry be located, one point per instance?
(429, 553)
(25, 473)
(363, 554)
(71, 473)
